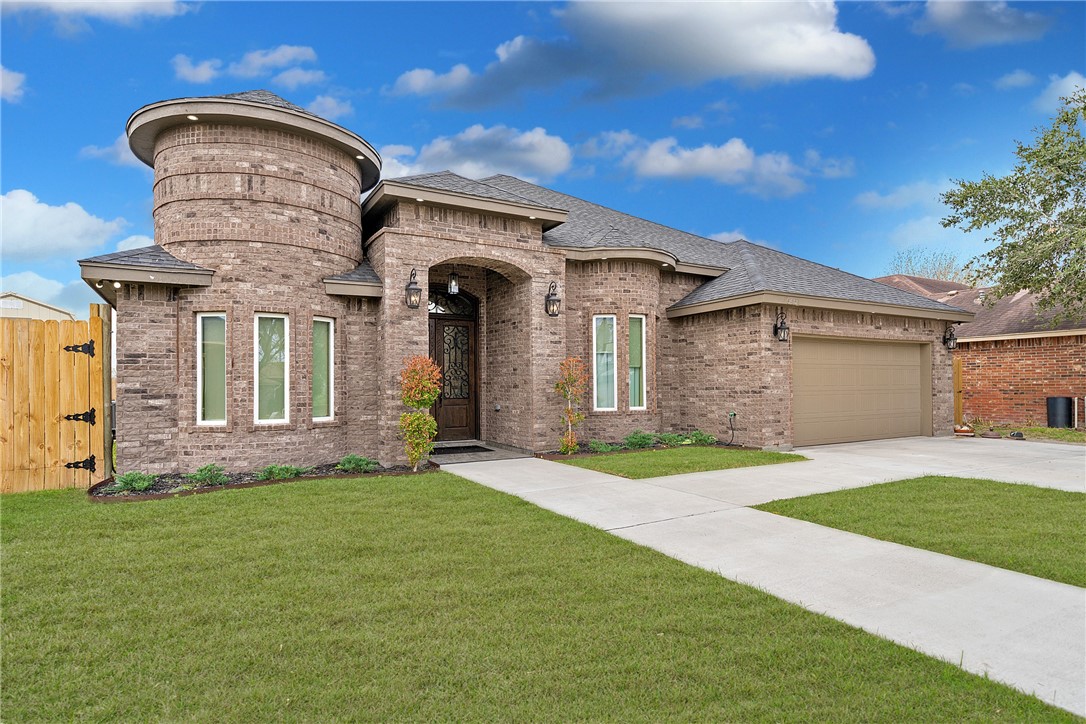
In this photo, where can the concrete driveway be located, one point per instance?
(1024, 631)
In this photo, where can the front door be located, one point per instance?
(452, 347)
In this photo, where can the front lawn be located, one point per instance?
(1024, 528)
(1060, 434)
(418, 598)
(675, 460)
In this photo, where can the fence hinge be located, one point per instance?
(85, 348)
(88, 416)
(87, 464)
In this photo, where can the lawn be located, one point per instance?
(1060, 434)
(1023, 528)
(418, 598)
(675, 460)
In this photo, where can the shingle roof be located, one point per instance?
(922, 285)
(266, 97)
(148, 256)
(1016, 314)
(361, 273)
(750, 268)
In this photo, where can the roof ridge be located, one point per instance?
(750, 264)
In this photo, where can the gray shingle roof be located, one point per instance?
(149, 256)
(361, 273)
(449, 181)
(266, 97)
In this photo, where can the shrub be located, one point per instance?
(673, 440)
(281, 472)
(357, 464)
(702, 438)
(134, 480)
(571, 385)
(599, 446)
(420, 386)
(639, 439)
(209, 475)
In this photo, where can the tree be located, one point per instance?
(928, 263)
(571, 385)
(420, 386)
(1036, 215)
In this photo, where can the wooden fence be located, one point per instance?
(55, 394)
(958, 389)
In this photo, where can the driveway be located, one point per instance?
(1024, 631)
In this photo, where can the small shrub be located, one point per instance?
(209, 475)
(134, 480)
(417, 430)
(357, 464)
(672, 439)
(571, 386)
(599, 446)
(639, 439)
(702, 438)
(420, 386)
(281, 472)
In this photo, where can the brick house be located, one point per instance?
(1012, 357)
(269, 321)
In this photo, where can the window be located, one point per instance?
(271, 358)
(603, 362)
(324, 351)
(637, 362)
(211, 368)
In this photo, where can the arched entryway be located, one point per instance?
(454, 347)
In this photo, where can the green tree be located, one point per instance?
(928, 263)
(1036, 215)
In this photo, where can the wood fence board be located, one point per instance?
(96, 439)
(19, 473)
(53, 464)
(7, 405)
(70, 333)
(35, 410)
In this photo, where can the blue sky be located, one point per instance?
(823, 130)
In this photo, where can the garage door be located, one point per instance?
(845, 390)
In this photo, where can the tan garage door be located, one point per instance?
(845, 390)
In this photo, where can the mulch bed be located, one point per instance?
(555, 455)
(170, 485)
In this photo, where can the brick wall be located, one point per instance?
(1008, 381)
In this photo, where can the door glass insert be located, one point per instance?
(454, 373)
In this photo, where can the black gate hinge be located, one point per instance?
(85, 348)
(87, 464)
(88, 416)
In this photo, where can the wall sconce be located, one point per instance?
(552, 303)
(454, 283)
(780, 328)
(412, 292)
(949, 339)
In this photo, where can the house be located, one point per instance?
(18, 306)
(1012, 357)
(271, 318)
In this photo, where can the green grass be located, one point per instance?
(418, 598)
(677, 460)
(1060, 434)
(1023, 528)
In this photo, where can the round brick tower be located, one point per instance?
(266, 196)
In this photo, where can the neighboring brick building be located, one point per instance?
(269, 322)
(1012, 357)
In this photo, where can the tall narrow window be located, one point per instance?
(211, 368)
(271, 357)
(323, 388)
(637, 362)
(603, 362)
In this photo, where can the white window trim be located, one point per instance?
(256, 368)
(331, 368)
(595, 378)
(644, 362)
(200, 370)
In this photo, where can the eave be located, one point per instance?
(798, 300)
(388, 192)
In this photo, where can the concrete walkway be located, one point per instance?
(1024, 631)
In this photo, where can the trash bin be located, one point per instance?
(1059, 412)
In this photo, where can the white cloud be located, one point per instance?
(1049, 100)
(609, 144)
(73, 296)
(630, 48)
(424, 82)
(971, 24)
(964, 89)
(737, 235)
(117, 153)
(1016, 79)
(11, 85)
(202, 72)
(691, 121)
(34, 230)
(294, 77)
(260, 62)
(828, 167)
(134, 242)
(71, 17)
(396, 161)
(920, 193)
(330, 107)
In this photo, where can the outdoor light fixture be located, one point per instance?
(99, 284)
(412, 292)
(552, 303)
(116, 285)
(780, 328)
(193, 118)
(949, 339)
(454, 283)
